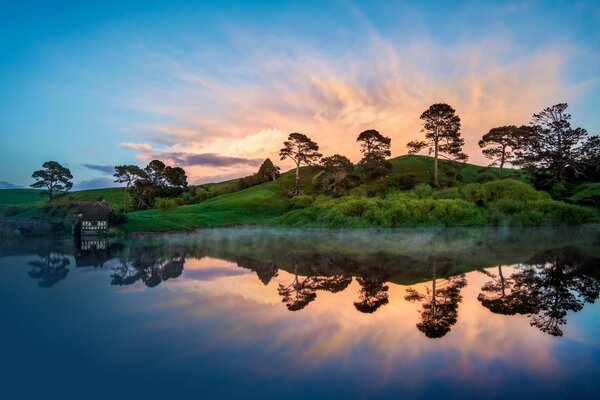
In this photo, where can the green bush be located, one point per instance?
(510, 189)
(486, 177)
(423, 190)
(448, 193)
(301, 201)
(165, 204)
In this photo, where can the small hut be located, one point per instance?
(91, 219)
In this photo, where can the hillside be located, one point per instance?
(268, 202)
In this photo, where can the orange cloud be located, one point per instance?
(332, 98)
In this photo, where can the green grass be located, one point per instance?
(29, 203)
(20, 197)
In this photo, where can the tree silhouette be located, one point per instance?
(440, 303)
(337, 175)
(373, 291)
(299, 293)
(301, 150)
(501, 296)
(499, 144)
(128, 174)
(142, 265)
(375, 148)
(442, 135)
(556, 283)
(49, 269)
(53, 177)
(553, 146)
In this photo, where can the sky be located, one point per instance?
(216, 87)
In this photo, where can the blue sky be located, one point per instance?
(216, 86)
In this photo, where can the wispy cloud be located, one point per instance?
(246, 110)
(105, 169)
(208, 159)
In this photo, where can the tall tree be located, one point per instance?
(176, 178)
(302, 150)
(442, 135)
(54, 177)
(337, 175)
(155, 171)
(500, 143)
(375, 148)
(554, 146)
(128, 174)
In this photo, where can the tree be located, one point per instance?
(128, 174)
(302, 150)
(553, 146)
(442, 135)
(155, 171)
(268, 171)
(499, 144)
(54, 177)
(175, 179)
(337, 175)
(375, 148)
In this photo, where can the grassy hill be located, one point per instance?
(268, 202)
(261, 204)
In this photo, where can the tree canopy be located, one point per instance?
(375, 148)
(53, 177)
(499, 144)
(442, 135)
(302, 150)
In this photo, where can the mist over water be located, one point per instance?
(301, 313)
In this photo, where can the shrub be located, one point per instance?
(201, 194)
(559, 191)
(165, 204)
(301, 201)
(403, 182)
(486, 177)
(475, 192)
(423, 190)
(510, 189)
(449, 193)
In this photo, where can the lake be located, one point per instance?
(275, 313)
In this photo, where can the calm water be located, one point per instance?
(260, 313)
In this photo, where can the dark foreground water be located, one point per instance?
(254, 313)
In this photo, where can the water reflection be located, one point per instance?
(49, 268)
(541, 279)
(551, 284)
(440, 303)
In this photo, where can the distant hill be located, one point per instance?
(7, 185)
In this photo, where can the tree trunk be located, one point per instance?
(435, 166)
(297, 182)
(501, 276)
(433, 299)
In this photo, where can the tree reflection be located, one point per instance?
(302, 291)
(440, 303)
(547, 288)
(141, 265)
(297, 294)
(373, 291)
(49, 268)
(502, 295)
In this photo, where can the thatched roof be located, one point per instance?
(94, 211)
